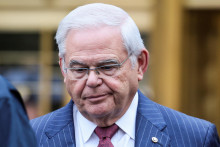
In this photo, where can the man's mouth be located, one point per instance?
(96, 98)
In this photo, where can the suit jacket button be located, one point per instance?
(154, 139)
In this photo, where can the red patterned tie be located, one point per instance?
(105, 134)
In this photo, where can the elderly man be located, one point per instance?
(102, 59)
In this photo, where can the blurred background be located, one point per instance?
(182, 36)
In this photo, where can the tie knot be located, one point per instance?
(106, 132)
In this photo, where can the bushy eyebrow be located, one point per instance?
(108, 61)
(74, 62)
(112, 61)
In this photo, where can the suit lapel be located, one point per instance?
(150, 125)
(61, 127)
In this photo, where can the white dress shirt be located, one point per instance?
(124, 137)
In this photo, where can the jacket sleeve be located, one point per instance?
(15, 129)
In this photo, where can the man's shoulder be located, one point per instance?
(173, 116)
(181, 119)
(53, 125)
(190, 129)
(181, 128)
(40, 123)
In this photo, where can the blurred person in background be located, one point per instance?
(15, 130)
(102, 59)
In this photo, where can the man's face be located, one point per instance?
(101, 100)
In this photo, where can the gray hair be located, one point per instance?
(97, 15)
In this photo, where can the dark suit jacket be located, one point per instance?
(170, 127)
(15, 130)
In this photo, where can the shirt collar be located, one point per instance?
(87, 127)
(129, 116)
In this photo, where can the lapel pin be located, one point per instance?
(154, 139)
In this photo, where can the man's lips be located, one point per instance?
(95, 98)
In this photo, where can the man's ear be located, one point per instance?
(62, 68)
(142, 61)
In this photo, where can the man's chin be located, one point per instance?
(98, 114)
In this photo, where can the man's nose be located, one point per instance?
(93, 79)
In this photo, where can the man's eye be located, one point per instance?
(79, 70)
(108, 67)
